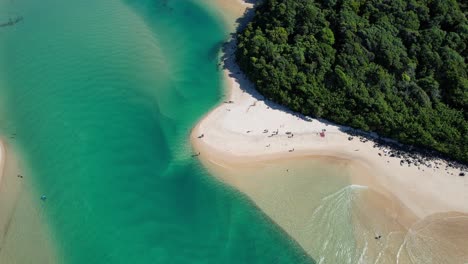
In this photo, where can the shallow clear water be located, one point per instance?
(334, 211)
(101, 96)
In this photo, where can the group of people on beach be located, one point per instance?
(408, 155)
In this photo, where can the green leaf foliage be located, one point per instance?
(394, 67)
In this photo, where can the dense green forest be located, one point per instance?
(394, 67)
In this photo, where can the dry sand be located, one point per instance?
(246, 136)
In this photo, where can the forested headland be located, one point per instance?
(394, 67)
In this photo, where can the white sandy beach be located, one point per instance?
(247, 130)
(236, 131)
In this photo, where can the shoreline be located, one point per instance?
(247, 128)
(231, 10)
(22, 220)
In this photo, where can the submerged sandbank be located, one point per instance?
(246, 136)
(334, 209)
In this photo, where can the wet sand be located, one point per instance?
(2, 159)
(230, 10)
(24, 235)
(335, 208)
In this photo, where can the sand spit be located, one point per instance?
(247, 127)
(246, 136)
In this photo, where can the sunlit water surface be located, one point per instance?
(100, 97)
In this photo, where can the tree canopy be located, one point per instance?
(395, 67)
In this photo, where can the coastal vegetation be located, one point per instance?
(396, 67)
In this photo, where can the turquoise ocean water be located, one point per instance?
(101, 95)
